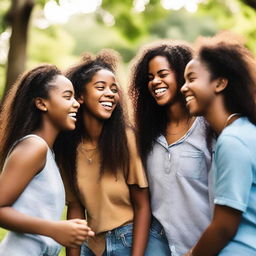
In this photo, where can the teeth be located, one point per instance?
(106, 104)
(160, 90)
(189, 98)
(72, 114)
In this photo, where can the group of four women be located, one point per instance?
(164, 186)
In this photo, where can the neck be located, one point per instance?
(177, 113)
(48, 133)
(218, 117)
(93, 127)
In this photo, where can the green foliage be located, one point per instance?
(2, 80)
(52, 45)
(4, 6)
(233, 15)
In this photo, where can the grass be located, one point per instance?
(3, 233)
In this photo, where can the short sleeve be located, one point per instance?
(136, 173)
(233, 174)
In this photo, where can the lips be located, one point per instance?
(160, 91)
(107, 104)
(72, 115)
(189, 98)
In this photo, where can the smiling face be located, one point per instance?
(61, 106)
(199, 89)
(101, 95)
(162, 83)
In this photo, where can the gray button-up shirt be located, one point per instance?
(178, 182)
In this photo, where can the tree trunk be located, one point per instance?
(251, 3)
(18, 18)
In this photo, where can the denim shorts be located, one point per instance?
(119, 242)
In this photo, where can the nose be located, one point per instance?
(156, 80)
(184, 88)
(109, 93)
(76, 104)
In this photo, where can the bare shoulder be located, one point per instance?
(131, 140)
(25, 161)
(29, 152)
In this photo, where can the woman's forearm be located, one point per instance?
(142, 220)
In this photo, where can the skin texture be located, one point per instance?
(101, 89)
(30, 155)
(161, 76)
(203, 96)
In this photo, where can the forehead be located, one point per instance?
(195, 66)
(158, 62)
(61, 83)
(104, 74)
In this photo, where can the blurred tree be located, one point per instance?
(18, 18)
(133, 22)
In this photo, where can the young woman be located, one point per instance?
(32, 195)
(103, 167)
(220, 85)
(172, 144)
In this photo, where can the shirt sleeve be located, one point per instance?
(233, 174)
(136, 173)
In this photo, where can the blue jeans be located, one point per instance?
(119, 242)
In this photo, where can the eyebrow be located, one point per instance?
(100, 82)
(159, 71)
(189, 74)
(68, 91)
(103, 82)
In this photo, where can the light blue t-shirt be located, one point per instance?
(234, 175)
(178, 183)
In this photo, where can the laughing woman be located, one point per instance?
(219, 85)
(172, 144)
(103, 168)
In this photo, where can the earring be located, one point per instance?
(45, 109)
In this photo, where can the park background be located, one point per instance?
(59, 31)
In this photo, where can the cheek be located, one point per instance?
(117, 98)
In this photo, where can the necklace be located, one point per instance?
(89, 153)
(229, 118)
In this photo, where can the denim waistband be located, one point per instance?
(157, 226)
(121, 230)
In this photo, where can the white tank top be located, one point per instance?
(44, 197)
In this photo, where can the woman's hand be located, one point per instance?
(71, 233)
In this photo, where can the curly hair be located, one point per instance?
(150, 118)
(19, 115)
(225, 56)
(112, 142)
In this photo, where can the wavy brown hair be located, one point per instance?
(19, 115)
(112, 142)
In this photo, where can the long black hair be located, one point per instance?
(19, 115)
(150, 118)
(112, 142)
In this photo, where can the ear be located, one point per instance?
(221, 84)
(81, 99)
(40, 104)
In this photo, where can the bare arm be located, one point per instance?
(142, 219)
(222, 229)
(25, 161)
(75, 210)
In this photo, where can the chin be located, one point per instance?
(195, 112)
